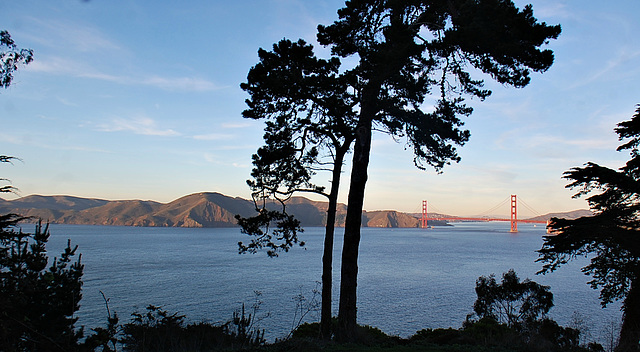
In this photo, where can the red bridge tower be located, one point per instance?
(514, 214)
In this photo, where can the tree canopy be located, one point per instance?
(609, 237)
(411, 65)
(11, 58)
(308, 129)
(406, 52)
(512, 302)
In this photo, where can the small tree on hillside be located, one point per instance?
(610, 237)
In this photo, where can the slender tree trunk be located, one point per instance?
(327, 257)
(349, 273)
(630, 330)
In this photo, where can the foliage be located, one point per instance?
(106, 339)
(543, 335)
(37, 304)
(275, 230)
(158, 330)
(512, 302)
(609, 238)
(405, 52)
(305, 306)
(400, 53)
(307, 130)
(307, 109)
(10, 58)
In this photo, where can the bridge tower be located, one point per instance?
(423, 220)
(514, 214)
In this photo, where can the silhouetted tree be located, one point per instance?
(37, 304)
(512, 302)
(609, 237)
(400, 53)
(308, 129)
(403, 51)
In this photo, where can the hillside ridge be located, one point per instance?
(203, 209)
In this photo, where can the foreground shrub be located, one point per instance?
(37, 304)
(159, 331)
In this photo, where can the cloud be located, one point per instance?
(552, 10)
(180, 83)
(213, 137)
(218, 160)
(42, 142)
(63, 66)
(236, 125)
(75, 36)
(139, 125)
(610, 70)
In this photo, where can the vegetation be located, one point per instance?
(37, 304)
(403, 50)
(11, 58)
(511, 302)
(608, 237)
(307, 129)
(38, 307)
(402, 53)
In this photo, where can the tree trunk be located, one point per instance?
(349, 273)
(327, 257)
(630, 330)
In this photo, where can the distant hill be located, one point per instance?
(566, 215)
(195, 210)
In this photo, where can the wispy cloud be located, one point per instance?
(218, 160)
(63, 66)
(179, 83)
(213, 137)
(33, 141)
(236, 125)
(609, 71)
(75, 36)
(139, 125)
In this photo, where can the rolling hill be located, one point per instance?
(205, 209)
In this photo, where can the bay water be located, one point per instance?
(409, 279)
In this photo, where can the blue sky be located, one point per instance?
(141, 100)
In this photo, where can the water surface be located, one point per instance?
(409, 279)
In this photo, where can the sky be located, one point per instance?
(130, 99)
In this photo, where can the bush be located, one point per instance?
(160, 331)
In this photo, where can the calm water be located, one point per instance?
(409, 279)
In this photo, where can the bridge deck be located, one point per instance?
(487, 219)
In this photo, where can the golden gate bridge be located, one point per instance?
(513, 218)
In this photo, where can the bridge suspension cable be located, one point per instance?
(513, 200)
(535, 212)
(495, 208)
